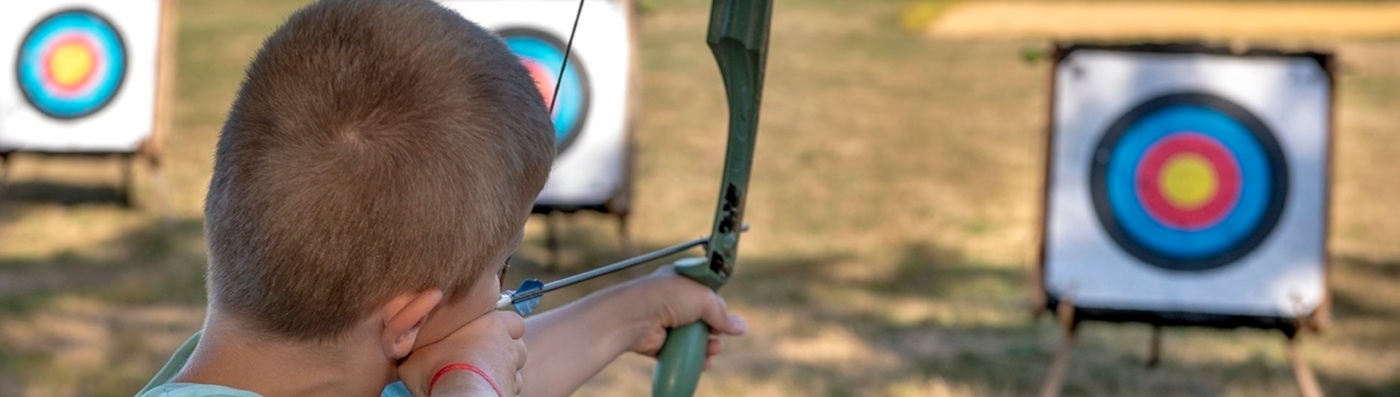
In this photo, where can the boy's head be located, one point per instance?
(375, 148)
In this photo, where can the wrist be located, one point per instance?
(462, 379)
(643, 312)
(637, 308)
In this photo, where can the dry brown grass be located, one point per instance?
(1169, 19)
(894, 207)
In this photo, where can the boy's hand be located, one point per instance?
(669, 300)
(491, 343)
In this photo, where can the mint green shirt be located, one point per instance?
(160, 385)
(202, 390)
(195, 390)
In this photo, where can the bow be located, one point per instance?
(738, 37)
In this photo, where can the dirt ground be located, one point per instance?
(1168, 19)
(894, 208)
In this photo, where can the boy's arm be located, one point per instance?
(570, 344)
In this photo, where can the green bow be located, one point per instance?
(739, 39)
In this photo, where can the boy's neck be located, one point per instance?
(232, 356)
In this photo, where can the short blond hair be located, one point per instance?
(375, 148)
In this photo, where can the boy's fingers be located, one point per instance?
(716, 313)
(515, 325)
(519, 382)
(521, 355)
(721, 321)
(714, 348)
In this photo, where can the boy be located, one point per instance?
(372, 179)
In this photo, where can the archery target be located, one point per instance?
(71, 64)
(591, 113)
(1188, 182)
(566, 92)
(82, 75)
(1191, 181)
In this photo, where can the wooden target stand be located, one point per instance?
(620, 204)
(150, 151)
(1068, 317)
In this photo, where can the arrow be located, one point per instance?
(526, 298)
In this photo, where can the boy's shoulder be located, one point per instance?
(195, 390)
(160, 385)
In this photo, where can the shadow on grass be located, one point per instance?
(1349, 303)
(47, 192)
(976, 334)
(964, 349)
(96, 320)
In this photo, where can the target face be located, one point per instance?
(71, 64)
(543, 55)
(1189, 182)
(592, 114)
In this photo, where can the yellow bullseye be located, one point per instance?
(1188, 181)
(71, 63)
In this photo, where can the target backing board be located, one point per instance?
(591, 113)
(1187, 184)
(78, 76)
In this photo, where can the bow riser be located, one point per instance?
(738, 37)
(741, 51)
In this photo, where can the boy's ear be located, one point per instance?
(404, 316)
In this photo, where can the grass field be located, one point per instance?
(895, 204)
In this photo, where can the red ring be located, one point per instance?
(48, 53)
(544, 79)
(1227, 171)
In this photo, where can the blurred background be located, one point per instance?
(895, 207)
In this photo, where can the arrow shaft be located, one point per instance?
(614, 267)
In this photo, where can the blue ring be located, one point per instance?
(1188, 244)
(29, 63)
(1263, 179)
(571, 108)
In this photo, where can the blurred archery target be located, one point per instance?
(543, 56)
(591, 115)
(82, 75)
(71, 64)
(1187, 179)
(1191, 181)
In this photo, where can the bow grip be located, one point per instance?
(682, 357)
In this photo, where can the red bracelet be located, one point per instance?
(468, 367)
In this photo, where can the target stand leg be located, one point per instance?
(624, 236)
(1154, 349)
(4, 173)
(5, 167)
(1064, 313)
(551, 240)
(1307, 381)
(162, 187)
(127, 183)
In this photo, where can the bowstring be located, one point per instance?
(559, 80)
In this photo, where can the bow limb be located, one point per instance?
(738, 36)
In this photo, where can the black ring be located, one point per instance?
(1278, 172)
(584, 84)
(121, 78)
